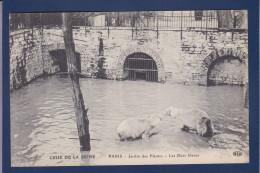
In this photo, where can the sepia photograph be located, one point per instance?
(129, 88)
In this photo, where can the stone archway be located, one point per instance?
(51, 55)
(140, 49)
(59, 59)
(217, 54)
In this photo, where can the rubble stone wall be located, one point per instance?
(182, 57)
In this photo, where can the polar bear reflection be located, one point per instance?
(192, 120)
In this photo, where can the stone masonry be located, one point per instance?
(187, 60)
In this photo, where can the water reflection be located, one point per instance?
(43, 118)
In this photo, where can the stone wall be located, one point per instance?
(26, 60)
(180, 59)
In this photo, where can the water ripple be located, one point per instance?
(43, 121)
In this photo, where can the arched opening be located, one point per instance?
(59, 58)
(140, 66)
(226, 70)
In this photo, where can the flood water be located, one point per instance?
(43, 122)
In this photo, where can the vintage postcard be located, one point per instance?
(129, 88)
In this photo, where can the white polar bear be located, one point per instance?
(191, 120)
(133, 128)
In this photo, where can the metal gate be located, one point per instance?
(140, 66)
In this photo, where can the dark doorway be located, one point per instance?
(59, 58)
(226, 70)
(140, 66)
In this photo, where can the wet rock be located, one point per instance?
(238, 130)
(227, 141)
